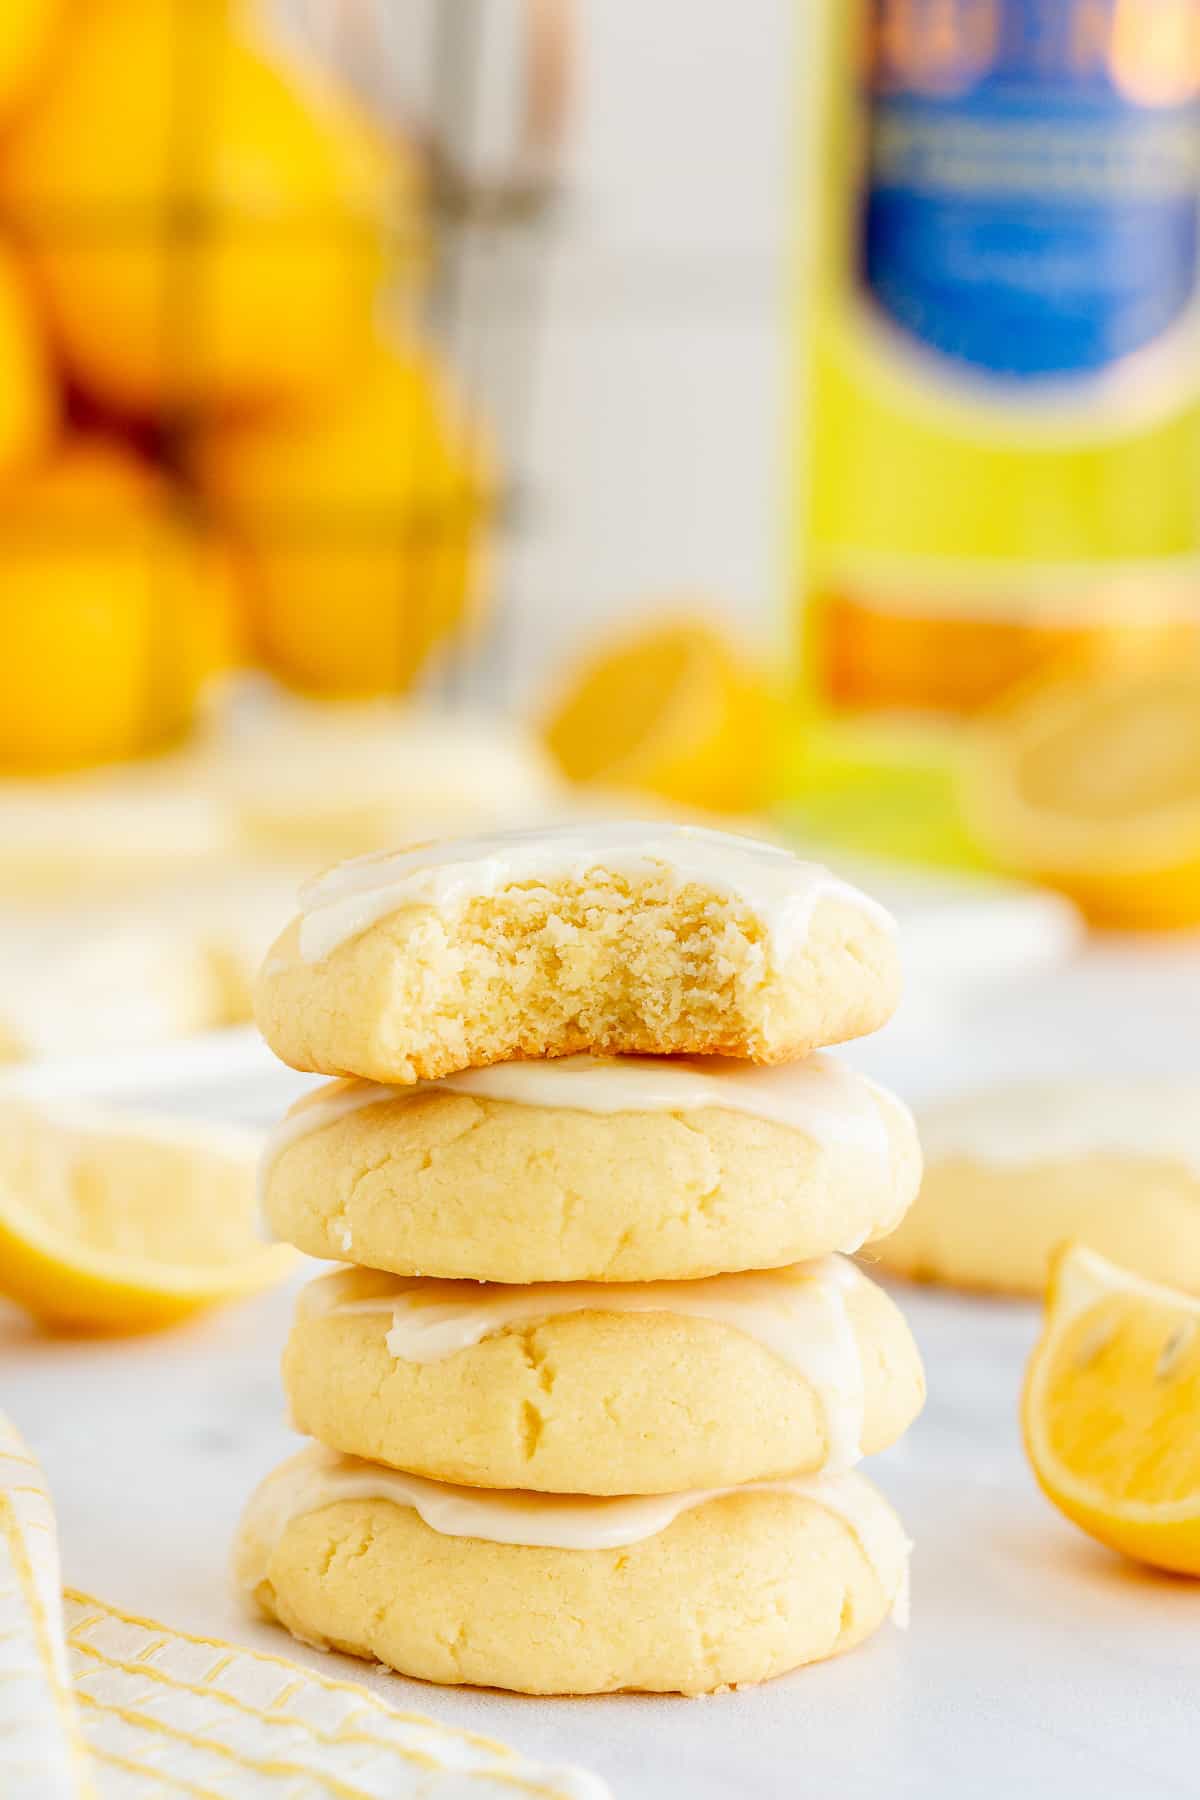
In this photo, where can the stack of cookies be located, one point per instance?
(587, 1403)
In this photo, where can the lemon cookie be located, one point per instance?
(1014, 1172)
(593, 1169)
(333, 779)
(228, 915)
(81, 979)
(629, 937)
(106, 831)
(624, 1389)
(679, 1593)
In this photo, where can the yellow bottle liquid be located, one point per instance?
(999, 400)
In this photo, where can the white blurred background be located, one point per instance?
(656, 436)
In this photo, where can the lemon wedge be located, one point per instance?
(1112, 1395)
(1090, 780)
(119, 1223)
(678, 711)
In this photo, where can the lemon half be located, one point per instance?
(678, 711)
(1090, 780)
(1112, 1395)
(122, 1223)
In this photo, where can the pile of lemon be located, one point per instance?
(208, 442)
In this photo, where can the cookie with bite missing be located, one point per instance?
(616, 938)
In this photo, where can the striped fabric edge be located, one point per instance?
(42, 1754)
(202, 1716)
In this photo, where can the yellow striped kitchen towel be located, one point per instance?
(41, 1752)
(96, 1704)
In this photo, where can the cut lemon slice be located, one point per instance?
(1091, 780)
(122, 1223)
(678, 711)
(1112, 1395)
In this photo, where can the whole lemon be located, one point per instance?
(27, 29)
(28, 403)
(205, 221)
(113, 610)
(361, 521)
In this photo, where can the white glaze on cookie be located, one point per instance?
(1057, 1121)
(819, 1096)
(778, 887)
(798, 1313)
(321, 1477)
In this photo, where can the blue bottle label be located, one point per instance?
(1032, 188)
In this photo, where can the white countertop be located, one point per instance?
(1036, 1662)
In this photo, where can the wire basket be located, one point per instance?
(484, 92)
(269, 305)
